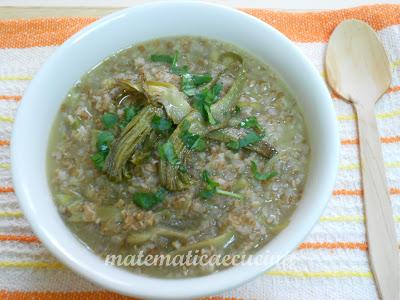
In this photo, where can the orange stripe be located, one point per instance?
(97, 295)
(300, 27)
(20, 238)
(385, 140)
(344, 192)
(39, 32)
(5, 97)
(336, 245)
(393, 89)
(6, 189)
(318, 26)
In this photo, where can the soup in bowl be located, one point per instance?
(174, 140)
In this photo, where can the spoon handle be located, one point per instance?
(382, 241)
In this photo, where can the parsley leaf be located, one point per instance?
(248, 139)
(174, 66)
(204, 99)
(161, 124)
(148, 200)
(190, 82)
(109, 120)
(172, 61)
(251, 122)
(129, 113)
(192, 141)
(98, 159)
(162, 58)
(104, 139)
(211, 188)
(167, 153)
(261, 176)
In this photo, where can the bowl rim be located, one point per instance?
(212, 283)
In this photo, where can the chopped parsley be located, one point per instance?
(211, 188)
(204, 99)
(148, 200)
(129, 113)
(161, 124)
(190, 82)
(98, 159)
(261, 176)
(249, 139)
(109, 120)
(172, 61)
(167, 153)
(251, 122)
(169, 59)
(104, 140)
(192, 141)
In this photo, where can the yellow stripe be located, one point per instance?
(386, 115)
(346, 118)
(30, 264)
(5, 166)
(395, 164)
(15, 214)
(6, 119)
(395, 64)
(15, 77)
(337, 274)
(348, 219)
(342, 219)
(297, 274)
(389, 114)
(349, 167)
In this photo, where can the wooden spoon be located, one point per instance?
(358, 69)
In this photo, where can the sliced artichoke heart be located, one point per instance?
(174, 101)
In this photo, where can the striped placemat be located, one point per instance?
(330, 264)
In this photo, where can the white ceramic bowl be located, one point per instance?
(122, 29)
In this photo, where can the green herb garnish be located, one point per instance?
(129, 113)
(211, 188)
(167, 153)
(98, 159)
(190, 82)
(169, 59)
(148, 200)
(161, 124)
(261, 176)
(109, 120)
(251, 122)
(175, 68)
(204, 99)
(104, 139)
(172, 61)
(249, 139)
(192, 141)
